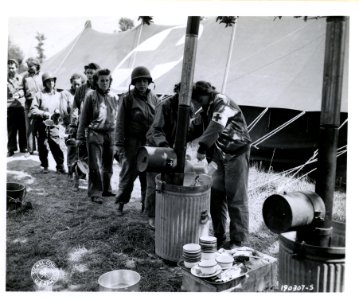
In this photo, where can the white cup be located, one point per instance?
(207, 267)
(189, 264)
(208, 255)
(225, 261)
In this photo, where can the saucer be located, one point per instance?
(195, 270)
(224, 269)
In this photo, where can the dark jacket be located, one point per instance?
(135, 116)
(221, 125)
(15, 86)
(163, 130)
(79, 98)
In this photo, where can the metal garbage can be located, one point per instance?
(182, 214)
(308, 268)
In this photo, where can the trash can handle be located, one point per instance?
(159, 186)
(204, 217)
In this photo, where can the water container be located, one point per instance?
(182, 214)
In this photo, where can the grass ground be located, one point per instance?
(85, 239)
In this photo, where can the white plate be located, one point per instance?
(196, 271)
(226, 268)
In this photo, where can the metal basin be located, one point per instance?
(120, 281)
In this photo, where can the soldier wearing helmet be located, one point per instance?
(32, 83)
(135, 116)
(53, 107)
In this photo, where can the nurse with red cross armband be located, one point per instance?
(223, 138)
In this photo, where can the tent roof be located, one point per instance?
(274, 63)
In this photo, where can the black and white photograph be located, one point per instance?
(200, 148)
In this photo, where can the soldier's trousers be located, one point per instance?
(30, 130)
(52, 140)
(16, 128)
(229, 194)
(129, 172)
(100, 160)
(150, 202)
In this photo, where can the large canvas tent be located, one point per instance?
(276, 63)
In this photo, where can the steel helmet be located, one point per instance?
(47, 76)
(140, 72)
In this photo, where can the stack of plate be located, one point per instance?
(191, 254)
(208, 246)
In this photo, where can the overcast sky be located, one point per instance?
(60, 31)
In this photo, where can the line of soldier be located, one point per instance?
(102, 126)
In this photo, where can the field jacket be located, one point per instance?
(32, 84)
(49, 102)
(221, 125)
(135, 116)
(79, 98)
(163, 129)
(98, 113)
(15, 86)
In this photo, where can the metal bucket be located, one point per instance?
(286, 212)
(182, 214)
(308, 268)
(15, 191)
(119, 281)
(156, 159)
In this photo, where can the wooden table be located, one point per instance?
(261, 276)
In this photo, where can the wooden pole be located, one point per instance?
(229, 57)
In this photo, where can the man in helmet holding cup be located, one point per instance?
(135, 115)
(49, 108)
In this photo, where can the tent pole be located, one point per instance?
(229, 56)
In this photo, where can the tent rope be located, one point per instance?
(312, 159)
(346, 121)
(339, 153)
(257, 119)
(315, 154)
(280, 175)
(279, 128)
